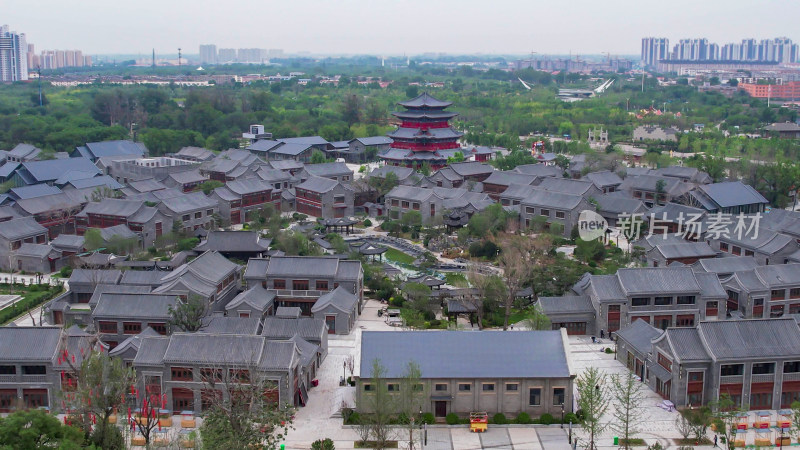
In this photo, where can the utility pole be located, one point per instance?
(179, 57)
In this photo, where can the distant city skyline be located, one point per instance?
(391, 28)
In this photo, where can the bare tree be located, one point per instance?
(412, 398)
(490, 292)
(628, 404)
(518, 256)
(683, 426)
(350, 362)
(147, 404)
(188, 314)
(243, 406)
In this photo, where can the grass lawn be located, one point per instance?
(399, 257)
(30, 300)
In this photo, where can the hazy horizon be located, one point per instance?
(358, 27)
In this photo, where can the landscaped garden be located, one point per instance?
(32, 295)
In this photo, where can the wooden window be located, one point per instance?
(186, 217)
(778, 294)
(534, 396)
(440, 387)
(544, 212)
(794, 293)
(763, 368)
(776, 311)
(723, 246)
(560, 215)
(393, 387)
(640, 301)
(35, 398)
(686, 299)
(395, 202)
(322, 285)
(727, 370)
(300, 285)
(685, 320)
(404, 204)
(182, 399)
(108, 327)
(210, 374)
(34, 370)
(736, 250)
(181, 374)
(749, 253)
(791, 367)
(240, 375)
(487, 387)
(8, 370)
(415, 206)
(132, 327)
(160, 328)
(279, 284)
(664, 362)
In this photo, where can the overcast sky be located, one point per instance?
(391, 27)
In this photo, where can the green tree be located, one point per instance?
(418, 296)
(208, 186)
(491, 290)
(628, 405)
(323, 444)
(456, 158)
(34, 429)
(411, 219)
(378, 406)
(93, 239)
(188, 314)
(317, 157)
(593, 400)
(351, 109)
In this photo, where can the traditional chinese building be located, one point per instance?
(424, 135)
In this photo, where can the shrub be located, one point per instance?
(353, 418)
(546, 419)
(499, 419)
(396, 301)
(367, 223)
(451, 419)
(402, 419)
(188, 244)
(112, 438)
(570, 417)
(523, 418)
(609, 350)
(65, 272)
(428, 418)
(152, 250)
(323, 444)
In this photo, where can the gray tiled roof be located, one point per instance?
(231, 325)
(410, 193)
(328, 169)
(286, 164)
(302, 265)
(469, 168)
(199, 153)
(112, 148)
(317, 184)
(604, 178)
(234, 241)
(672, 186)
(726, 265)
(48, 203)
(432, 133)
(686, 344)
(565, 186)
(248, 186)
(292, 149)
(51, 170)
(96, 277)
(732, 193)
(256, 267)
(134, 306)
(23, 150)
(566, 304)
(607, 287)
(146, 185)
(658, 279)
(20, 228)
(305, 327)
(754, 338)
(540, 170)
(639, 335)
(210, 266)
(710, 285)
(288, 312)
(188, 202)
(33, 191)
(779, 274)
(466, 355)
(263, 145)
(373, 140)
(502, 178)
(310, 140)
(101, 289)
(685, 250)
(35, 250)
(256, 297)
(151, 351)
(113, 207)
(121, 230)
(68, 241)
(339, 298)
(618, 204)
(552, 199)
(142, 278)
(103, 180)
(188, 176)
(29, 343)
(425, 100)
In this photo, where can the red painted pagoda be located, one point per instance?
(425, 134)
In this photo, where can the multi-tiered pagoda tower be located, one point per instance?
(425, 134)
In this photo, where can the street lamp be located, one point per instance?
(344, 373)
(562, 415)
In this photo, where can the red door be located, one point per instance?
(58, 317)
(159, 229)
